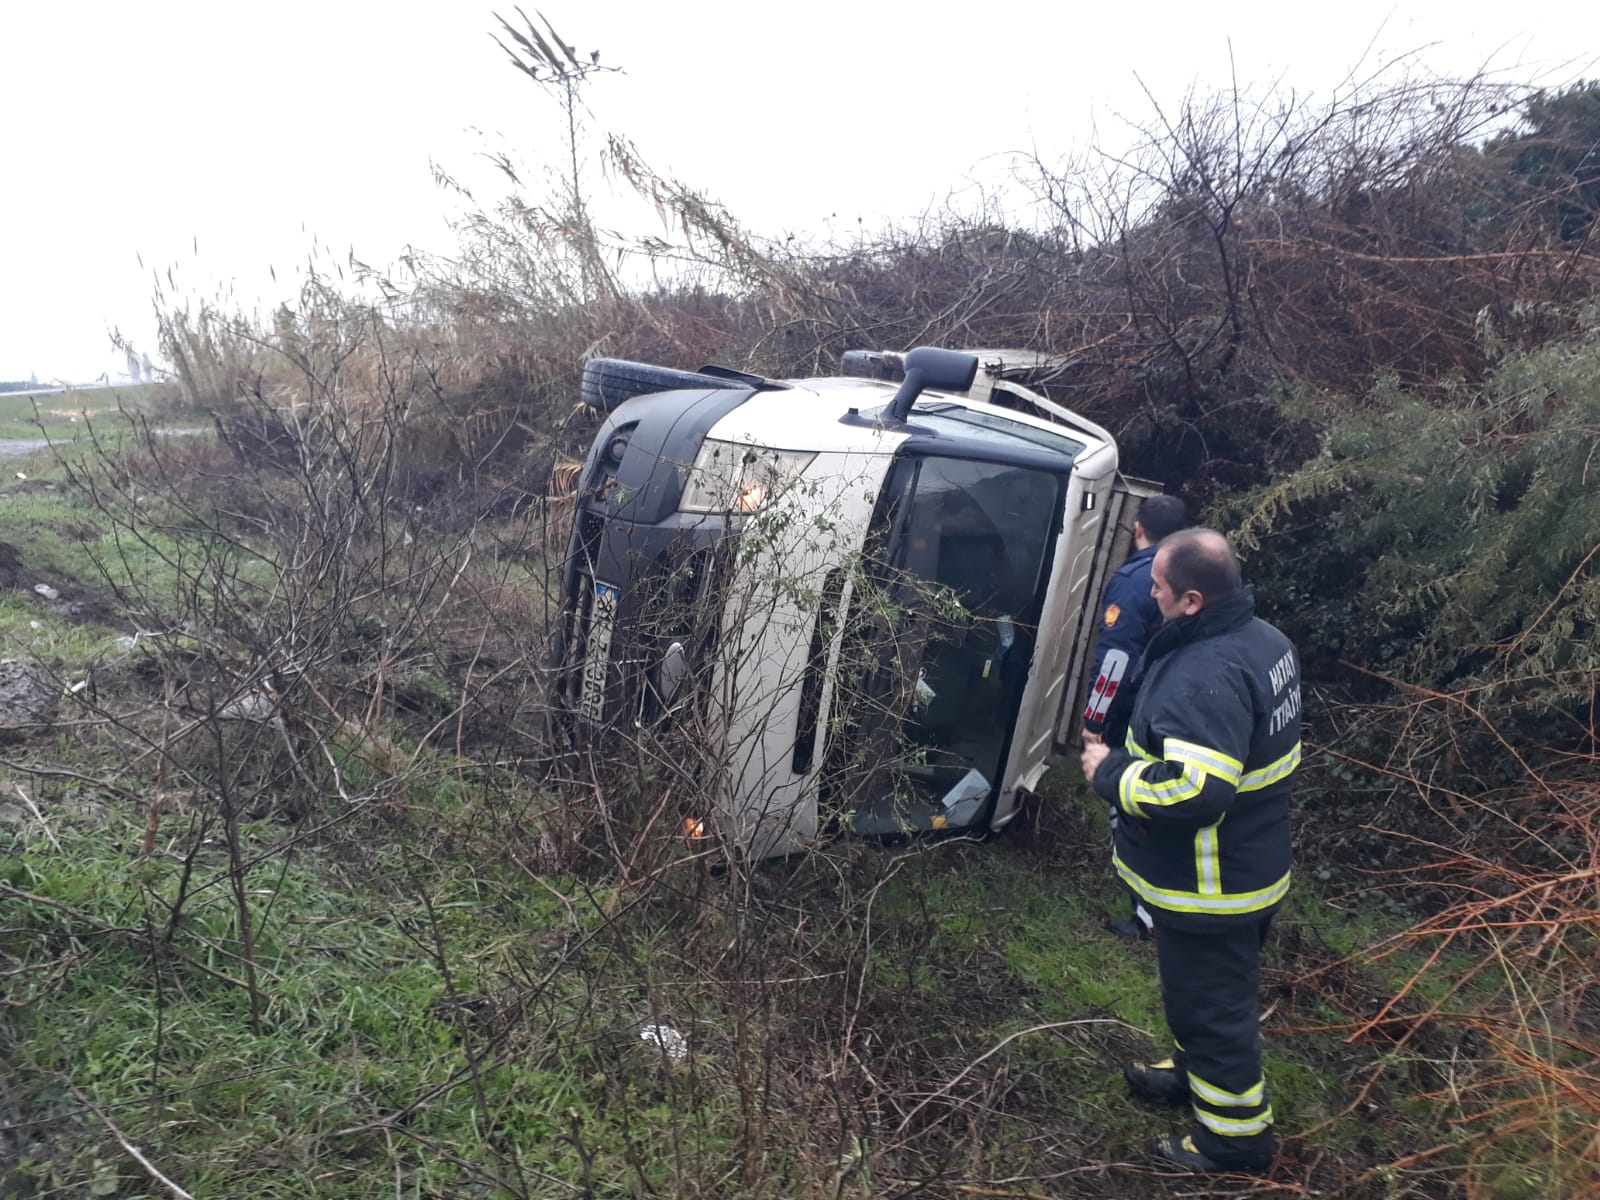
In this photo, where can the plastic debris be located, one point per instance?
(666, 1040)
(961, 802)
(48, 592)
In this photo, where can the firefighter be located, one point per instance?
(1208, 738)
(1129, 618)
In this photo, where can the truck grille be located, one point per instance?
(622, 629)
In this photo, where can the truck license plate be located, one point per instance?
(597, 661)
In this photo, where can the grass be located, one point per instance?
(54, 537)
(503, 1021)
(360, 1015)
(63, 415)
(32, 630)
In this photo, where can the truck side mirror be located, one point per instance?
(931, 367)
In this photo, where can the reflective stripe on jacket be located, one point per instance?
(1203, 777)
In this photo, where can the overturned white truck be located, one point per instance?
(868, 598)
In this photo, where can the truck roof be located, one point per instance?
(841, 413)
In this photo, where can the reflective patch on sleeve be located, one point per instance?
(1112, 668)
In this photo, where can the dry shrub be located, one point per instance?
(1495, 1020)
(1242, 244)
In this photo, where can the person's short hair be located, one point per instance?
(1200, 560)
(1162, 516)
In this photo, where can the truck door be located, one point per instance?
(1112, 549)
(1096, 533)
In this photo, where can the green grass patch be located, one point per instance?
(60, 539)
(40, 632)
(64, 416)
(357, 1020)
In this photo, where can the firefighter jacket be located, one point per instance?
(1202, 781)
(1129, 616)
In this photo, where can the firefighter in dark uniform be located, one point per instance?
(1207, 732)
(1129, 618)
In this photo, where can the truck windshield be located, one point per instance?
(961, 557)
(972, 421)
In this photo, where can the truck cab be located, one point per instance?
(868, 598)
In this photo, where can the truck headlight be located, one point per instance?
(730, 477)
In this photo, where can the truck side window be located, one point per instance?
(970, 541)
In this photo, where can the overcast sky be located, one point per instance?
(219, 140)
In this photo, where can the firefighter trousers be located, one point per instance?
(1209, 983)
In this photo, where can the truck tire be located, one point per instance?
(607, 382)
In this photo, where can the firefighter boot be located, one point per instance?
(1179, 1150)
(1127, 927)
(1159, 1083)
(1140, 927)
